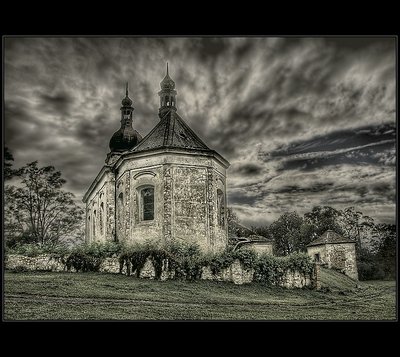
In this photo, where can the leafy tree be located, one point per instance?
(323, 218)
(37, 209)
(8, 158)
(385, 248)
(262, 231)
(355, 225)
(286, 233)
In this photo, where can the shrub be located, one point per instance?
(88, 257)
(185, 259)
(271, 270)
(19, 269)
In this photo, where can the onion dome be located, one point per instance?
(126, 137)
(127, 102)
(167, 83)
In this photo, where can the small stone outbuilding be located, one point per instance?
(259, 244)
(336, 252)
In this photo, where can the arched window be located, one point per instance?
(88, 228)
(94, 225)
(120, 211)
(101, 218)
(146, 203)
(221, 208)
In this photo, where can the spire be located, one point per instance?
(167, 95)
(126, 137)
(126, 102)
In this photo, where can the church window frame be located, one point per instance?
(102, 218)
(146, 203)
(94, 222)
(120, 210)
(221, 208)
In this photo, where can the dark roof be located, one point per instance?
(171, 132)
(124, 139)
(254, 238)
(330, 237)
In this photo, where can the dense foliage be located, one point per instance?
(375, 242)
(184, 260)
(36, 209)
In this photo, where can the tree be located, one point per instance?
(355, 225)
(386, 248)
(286, 233)
(232, 221)
(37, 209)
(323, 218)
(8, 158)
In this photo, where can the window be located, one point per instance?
(120, 211)
(146, 203)
(94, 224)
(221, 208)
(317, 257)
(88, 229)
(101, 218)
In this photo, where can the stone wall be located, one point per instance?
(235, 273)
(42, 262)
(340, 256)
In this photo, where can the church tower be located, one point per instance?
(126, 137)
(167, 186)
(167, 95)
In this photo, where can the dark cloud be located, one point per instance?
(356, 146)
(303, 121)
(247, 169)
(58, 103)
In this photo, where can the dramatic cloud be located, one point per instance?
(303, 121)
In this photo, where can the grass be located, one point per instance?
(82, 296)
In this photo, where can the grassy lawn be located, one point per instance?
(72, 296)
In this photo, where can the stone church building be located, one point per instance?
(168, 185)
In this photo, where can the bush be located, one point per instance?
(19, 269)
(88, 257)
(271, 270)
(185, 259)
(223, 260)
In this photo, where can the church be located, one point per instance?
(166, 186)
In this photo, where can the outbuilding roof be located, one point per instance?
(330, 237)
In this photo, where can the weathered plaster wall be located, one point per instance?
(190, 211)
(260, 248)
(100, 210)
(341, 256)
(185, 199)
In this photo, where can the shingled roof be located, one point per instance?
(171, 132)
(330, 237)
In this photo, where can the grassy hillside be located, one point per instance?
(41, 296)
(335, 280)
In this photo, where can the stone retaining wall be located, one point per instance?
(235, 273)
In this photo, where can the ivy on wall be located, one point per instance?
(182, 260)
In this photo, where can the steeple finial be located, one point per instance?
(167, 68)
(126, 88)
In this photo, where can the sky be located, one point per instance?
(303, 121)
